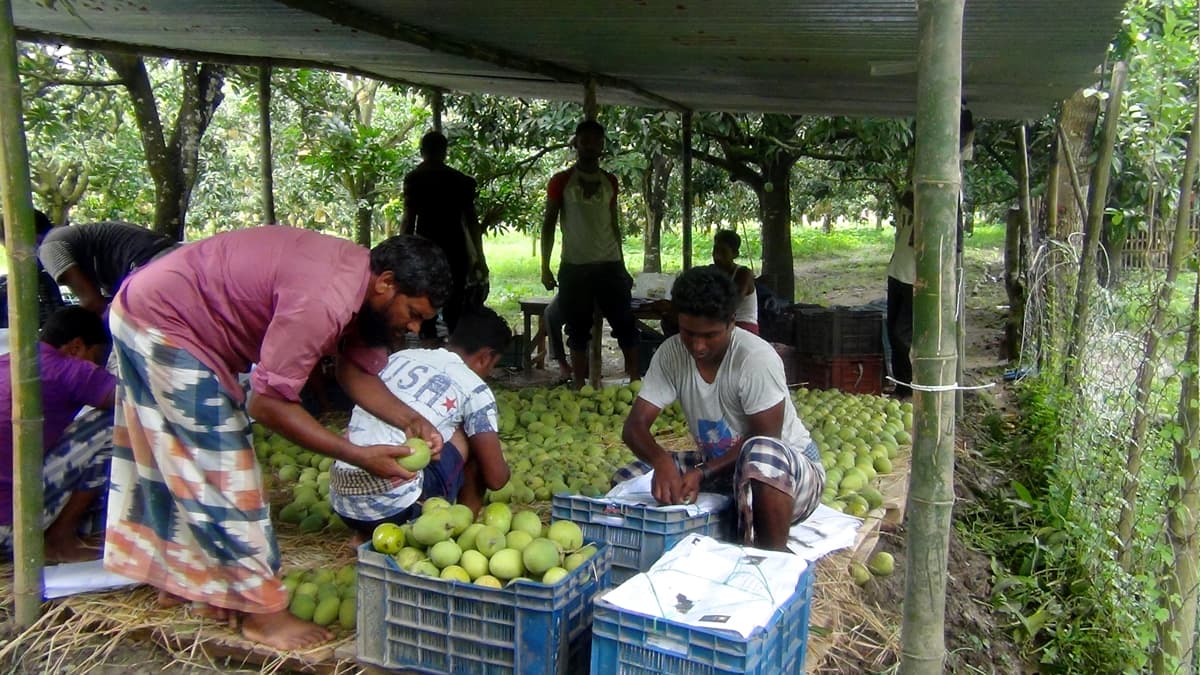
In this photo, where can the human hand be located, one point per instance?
(548, 279)
(690, 486)
(420, 427)
(667, 484)
(382, 461)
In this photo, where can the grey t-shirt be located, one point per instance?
(105, 252)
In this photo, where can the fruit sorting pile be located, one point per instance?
(498, 547)
(324, 596)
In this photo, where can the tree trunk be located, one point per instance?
(1181, 247)
(1177, 635)
(827, 223)
(937, 182)
(775, 208)
(1078, 123)
(654, 192)
(1013, 285)
(26, 462)
(362, 223)
(1097, 197)
(265, 162)
(1112, 247)
(61, 185)
(173, 162)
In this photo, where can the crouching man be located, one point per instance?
(445, 386)
(77, 449)
(730, 384)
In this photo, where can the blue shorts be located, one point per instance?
(443, 478)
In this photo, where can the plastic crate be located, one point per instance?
(638, 535)
(629, 643)
(419, 623)
(855, 374)
(838, 331)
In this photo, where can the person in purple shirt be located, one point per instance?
(186, 510)
(77, 448)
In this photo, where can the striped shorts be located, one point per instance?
(769, 461)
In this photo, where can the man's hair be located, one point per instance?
(434, 144)
(73, 322)
(589, 127)
(728, 238)
(418, 264)
(481, 328)
(705, 292)
(41, 225)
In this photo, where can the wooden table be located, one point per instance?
(643, 308)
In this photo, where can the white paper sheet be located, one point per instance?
(81, 577)
(637, 491)
(825, 531)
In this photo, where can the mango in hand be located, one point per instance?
(419, 459)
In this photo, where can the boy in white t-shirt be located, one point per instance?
(445, 386)
(730, 384)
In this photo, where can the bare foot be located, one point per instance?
(280, 630)
(69, 549)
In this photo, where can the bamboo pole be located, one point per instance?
(1097, 196)
(937, 182)
(1181, 247)
(437, 107)
(28, 551)
(266, 163)
(590, 108)
(687, 190)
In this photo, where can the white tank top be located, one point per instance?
(747, 309)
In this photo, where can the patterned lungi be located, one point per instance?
(186, 511)
(767, 460)
(78, 462)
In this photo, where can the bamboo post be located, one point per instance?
(1097, 197)
(1181, 247)
(590, 107)
(937, 182)
(265, 161)
(687, 190)
(28, 551)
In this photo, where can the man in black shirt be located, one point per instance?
(93, 259)
(439, 204)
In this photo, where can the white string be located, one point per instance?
(941, 387)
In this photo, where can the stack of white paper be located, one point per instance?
(825, 531)
(703, 582)
(637, 491)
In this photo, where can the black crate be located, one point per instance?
(838, 331)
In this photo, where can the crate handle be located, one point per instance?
(663, 643)
(858, 379)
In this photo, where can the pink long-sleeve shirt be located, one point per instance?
(279, 297)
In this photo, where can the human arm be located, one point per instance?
(489, 457)
(549, 222)
(744, 280)
(84, 288)
(370, 393)
(293, 421)
(408, 220)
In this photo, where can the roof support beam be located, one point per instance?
(368, 22)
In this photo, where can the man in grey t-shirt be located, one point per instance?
(93, 259)
(730, 384)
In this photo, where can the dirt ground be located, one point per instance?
(976, 643)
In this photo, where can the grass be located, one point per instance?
(862, 251)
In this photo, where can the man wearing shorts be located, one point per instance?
(445, 386)
(730, 384)
(592, 270)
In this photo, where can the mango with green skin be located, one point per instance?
(419, 457)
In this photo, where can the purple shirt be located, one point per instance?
(68, 384)
(279, 297)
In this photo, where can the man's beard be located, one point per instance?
(373, 328)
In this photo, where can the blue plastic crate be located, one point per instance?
(629, 643)
(418, 623)
(639, 535)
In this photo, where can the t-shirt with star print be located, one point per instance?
(439, 386)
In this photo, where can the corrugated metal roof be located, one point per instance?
(854, 57)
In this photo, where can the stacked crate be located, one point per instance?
(840, 348)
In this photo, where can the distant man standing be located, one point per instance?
(902, 271)
(93, 259)
(592, 270)
(439, 204)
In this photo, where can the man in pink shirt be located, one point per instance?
(186, 511)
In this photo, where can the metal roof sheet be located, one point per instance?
(854, 57)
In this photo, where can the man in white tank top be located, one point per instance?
(726, 245)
